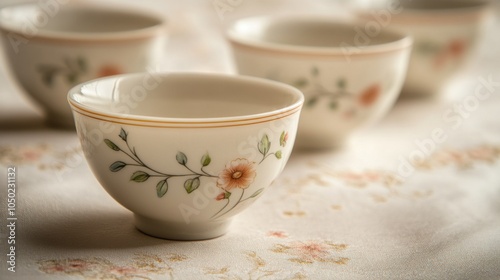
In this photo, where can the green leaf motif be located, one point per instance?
(111, 145)
(181, 158)
(278, 154)
(123, 135)
(72, 78)
(192, 184)
(227, 195)
(312, 101)
(300, 83)
(117, 166)
(264, 145)
(333, 105)
(70, 70)
(82, 64)
(139, 176)
(427, 48)
(161, 188)
(283, 138)
(341, 83)
(315, 71)
(256, 193)
(205, 160)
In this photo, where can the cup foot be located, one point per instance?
(181, 231)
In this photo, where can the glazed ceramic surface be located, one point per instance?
(51, 50)
(446, 34)
(347, 83)
(185, 152)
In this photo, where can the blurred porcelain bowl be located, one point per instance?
(347, 82)
(185, 152)
(52, 48)
(446, 34)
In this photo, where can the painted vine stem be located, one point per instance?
(71, 70)
(238, 174)
(317, 91)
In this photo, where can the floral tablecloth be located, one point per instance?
(414, 196)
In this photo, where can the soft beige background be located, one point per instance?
(333, 215)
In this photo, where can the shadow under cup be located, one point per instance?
(350, 75)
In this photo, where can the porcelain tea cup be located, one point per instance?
(51, 48)
(446, 34)
(185, 152)
(348, 81)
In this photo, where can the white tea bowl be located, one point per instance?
(51, 48)
(446, 34)
(346, 82)
(185, 152)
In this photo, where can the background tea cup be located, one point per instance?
(51, 50)
(348, 78)
(192, 151)
(446, 34)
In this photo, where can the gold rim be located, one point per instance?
(292, 103)
(74, 40)
(215, 124)
(428, 19)
(351, 53)
(155, 28)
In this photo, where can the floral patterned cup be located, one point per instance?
(347, 82)
(52, 47)
(445, 34)
(185, 152)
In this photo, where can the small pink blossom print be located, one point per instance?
(109, 70)
(141, 267)
(454, 50)
(309, 252)
(277, 234)
(369, 95)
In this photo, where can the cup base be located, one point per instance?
(181, 231)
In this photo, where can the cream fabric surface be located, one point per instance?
(360, 212)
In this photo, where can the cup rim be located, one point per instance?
(14, 28)
(475, 10)
(236, 38)
(294, 106)
(454, 6)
